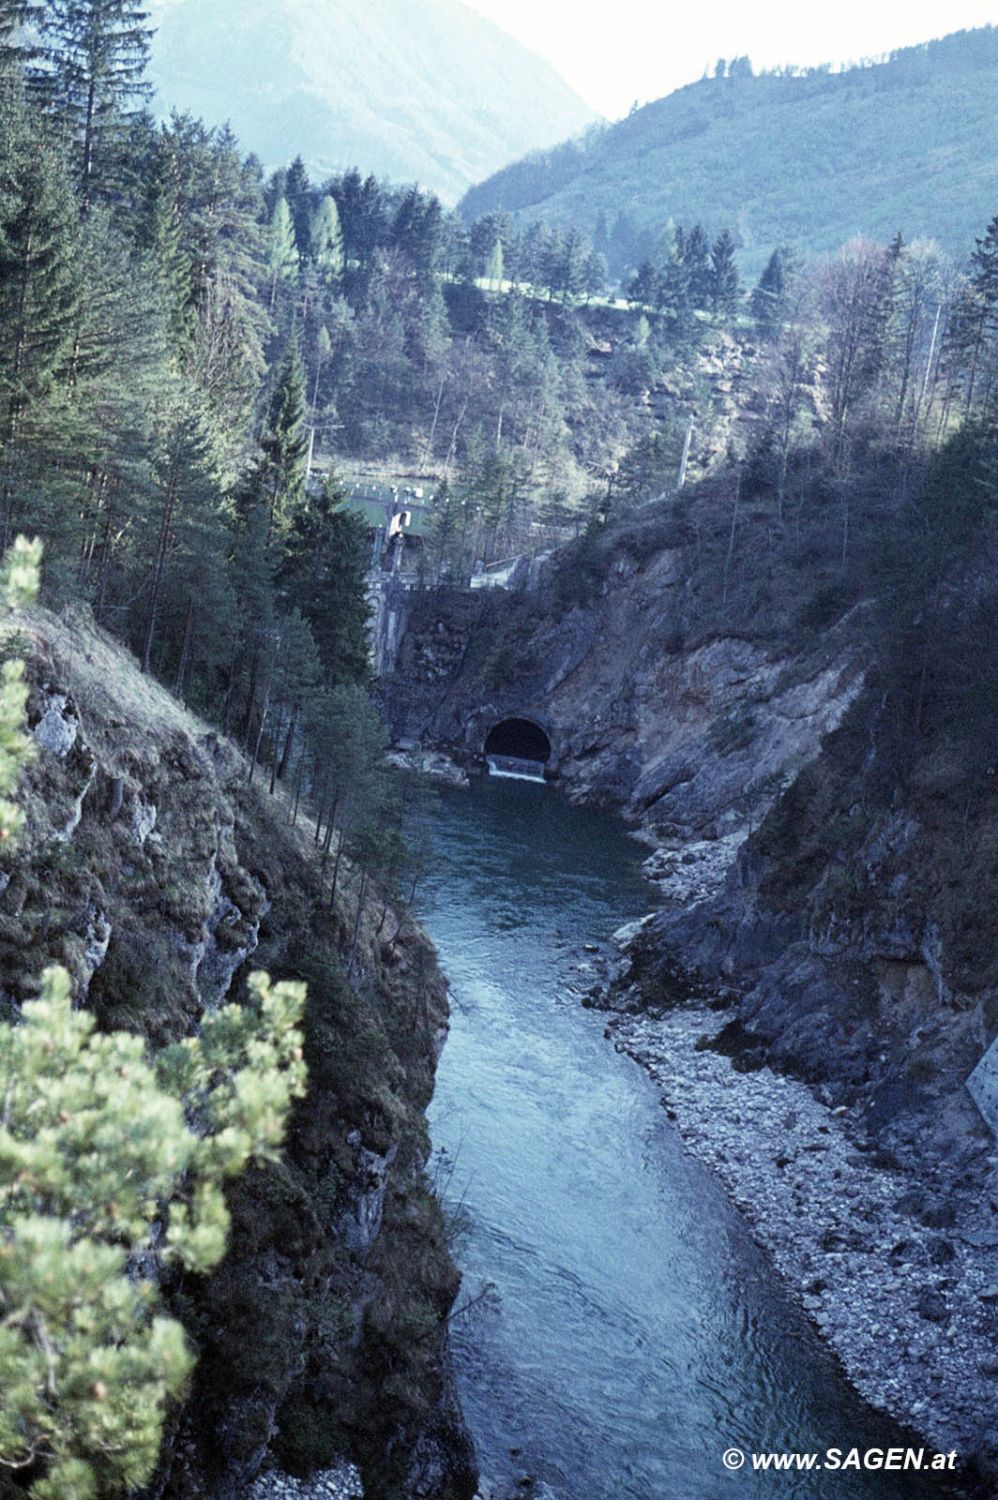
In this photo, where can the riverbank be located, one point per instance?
(910, 1310)
(339, 1483)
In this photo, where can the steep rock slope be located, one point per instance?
(910, 144)
(422, 90)
(823, 918)
(685, 729)
(158, 876)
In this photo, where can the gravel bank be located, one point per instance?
(342, 1483)
(911, 1311)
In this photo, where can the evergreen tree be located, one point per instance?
(326, 239)
(296, 681)
(443, 541)
(39, 285)
(984, 267)
(495, 267)
(981, 316)
(158, 231)
(324, 572)
(724, 276)
(694, 251)
(280, 474)
(94, 55)
(298, 191)
(186, 482)
(673, 297)
(104, 1171)
(219, 203)
(595, 275)
(350, 774)
(770, 296)
(282, 250)
(643, 289)
(570, 265)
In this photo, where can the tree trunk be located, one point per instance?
(361, 899)
(289, 742)
(157, 579)
(265, 709)
(185, 650)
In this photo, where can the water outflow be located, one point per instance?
(624, 1330)
(515, 767)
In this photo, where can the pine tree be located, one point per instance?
(39, 283)
(644, 286)
(724, 287)
(94, 55)
(298, 191)
(443, 541)
(570, 270)
(282, 250)
(326, 241)
(219, 202)
(981, 304)
(186, 483)
(984, 267)
(770, 296)
(495, 267)
(280, 474)
(101, 439)
(596, 275)
(694, 251)
(159, 231)
(324, 572)
(297, 679)
(350, 772)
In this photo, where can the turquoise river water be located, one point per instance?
(624, 1329)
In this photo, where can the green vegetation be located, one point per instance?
(186, 343)
(108, 1161)
(100, 1165)
(801, 157)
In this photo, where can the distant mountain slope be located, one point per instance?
(413, 90)
(909, 144)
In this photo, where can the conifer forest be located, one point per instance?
(327, 502)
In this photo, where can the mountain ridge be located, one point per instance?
(809, 158)
(293, 77)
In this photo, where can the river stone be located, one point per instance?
(932, 1306)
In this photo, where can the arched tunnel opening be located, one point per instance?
(520, 739)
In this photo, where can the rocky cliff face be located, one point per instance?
(158, 876)
(826, 919)
(685, 732)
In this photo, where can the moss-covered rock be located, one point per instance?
(157, 875)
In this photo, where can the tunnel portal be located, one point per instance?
(518, 739)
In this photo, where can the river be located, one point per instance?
(623, 1328)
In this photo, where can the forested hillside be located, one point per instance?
(801, 157)
(425, 91)
(194, 351)
(182, 336)
(153, 429)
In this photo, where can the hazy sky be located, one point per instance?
(616, 51)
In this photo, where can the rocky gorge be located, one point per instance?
(819, 984)
(158, 874)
